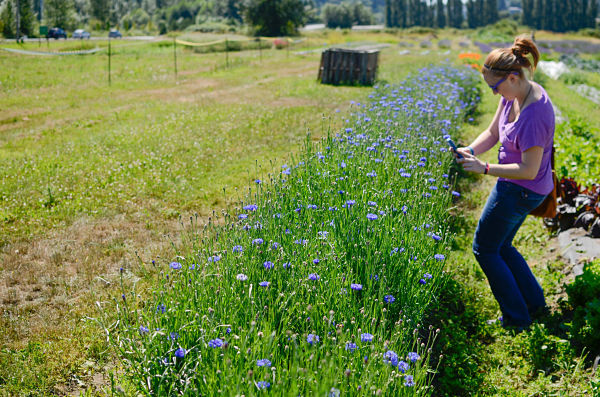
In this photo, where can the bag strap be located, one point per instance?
(552, 158)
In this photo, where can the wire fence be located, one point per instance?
(225, 45)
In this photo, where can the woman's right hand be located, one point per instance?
(462, 151)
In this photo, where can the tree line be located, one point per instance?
(279, 17)
(560, 15)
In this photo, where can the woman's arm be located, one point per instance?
(488, 138)
(527, 169)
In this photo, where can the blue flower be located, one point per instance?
(312, 338)
(372, 217)
(251, 207)
(268, 265)
(161, 308)
(366, 337)
(287, 265)
(314, 276)
(350, 203)
(264, 284)
(238, 248)
(408, 381)
(455, 193)
(316, 261)
(243, 216)
(427, 276)
(215, 343)
(389, 299)
(439, 257)
(263, 362)
(422, 282)
(403, 366)
(356, 287)
(258, 181)
(180, 353)
(372, 174)
(312, 206)
(173, 336)
(257, 241)
(263, 384)
(175, 265)
(351, 346)
(390, 357)
(436, 237)
(372, 203)
(214, 258)
(242, 277)
(413, 357)
(144, 330)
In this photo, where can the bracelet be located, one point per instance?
(487, 168)
(471, 149)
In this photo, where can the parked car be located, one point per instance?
(56, 33)
(115, 34)
(81, 34)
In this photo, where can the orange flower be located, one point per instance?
(470, 55)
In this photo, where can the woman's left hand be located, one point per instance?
(471, 163)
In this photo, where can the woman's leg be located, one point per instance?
(529, 287)
(502, 215)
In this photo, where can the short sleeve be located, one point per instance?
(533, 132)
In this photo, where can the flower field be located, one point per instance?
(318, 282)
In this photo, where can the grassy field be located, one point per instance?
(96, 177)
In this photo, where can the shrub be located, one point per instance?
(546, 351)
(574, 77)
(584, 298)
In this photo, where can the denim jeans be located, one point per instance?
(513, 284)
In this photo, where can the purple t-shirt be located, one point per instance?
(534, 127)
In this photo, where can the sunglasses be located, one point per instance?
(495, 86)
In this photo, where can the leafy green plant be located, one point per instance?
(546, 351)
(574, 77)
(577, 150)
(584, 298)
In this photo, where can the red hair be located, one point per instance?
(502, 61)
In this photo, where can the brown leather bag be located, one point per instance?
(548, 207)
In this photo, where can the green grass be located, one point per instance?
(92, 176)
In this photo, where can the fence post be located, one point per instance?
(226, 53)
(109, 55)
(175, 55)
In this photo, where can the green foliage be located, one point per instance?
(546, 351)
(577, 150)
(7, 20)
(504, 30)
(560, 15)
(275, 17)
(574, 77)
(60, 13)
(584, 298)
(590, 32)
(346, 14)
(459, 341)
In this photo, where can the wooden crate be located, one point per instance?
(351, 67)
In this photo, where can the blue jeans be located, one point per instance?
(513, 284)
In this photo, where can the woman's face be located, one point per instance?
(505, 86)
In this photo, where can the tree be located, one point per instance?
(275, 17)
(60, 13)
(440, 14)
(8, 22)
(26, 18)
(455, 13)
(101, 10)
(337, 16)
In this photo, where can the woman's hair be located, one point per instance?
(503, 61)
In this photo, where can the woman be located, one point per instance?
(524, 125)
